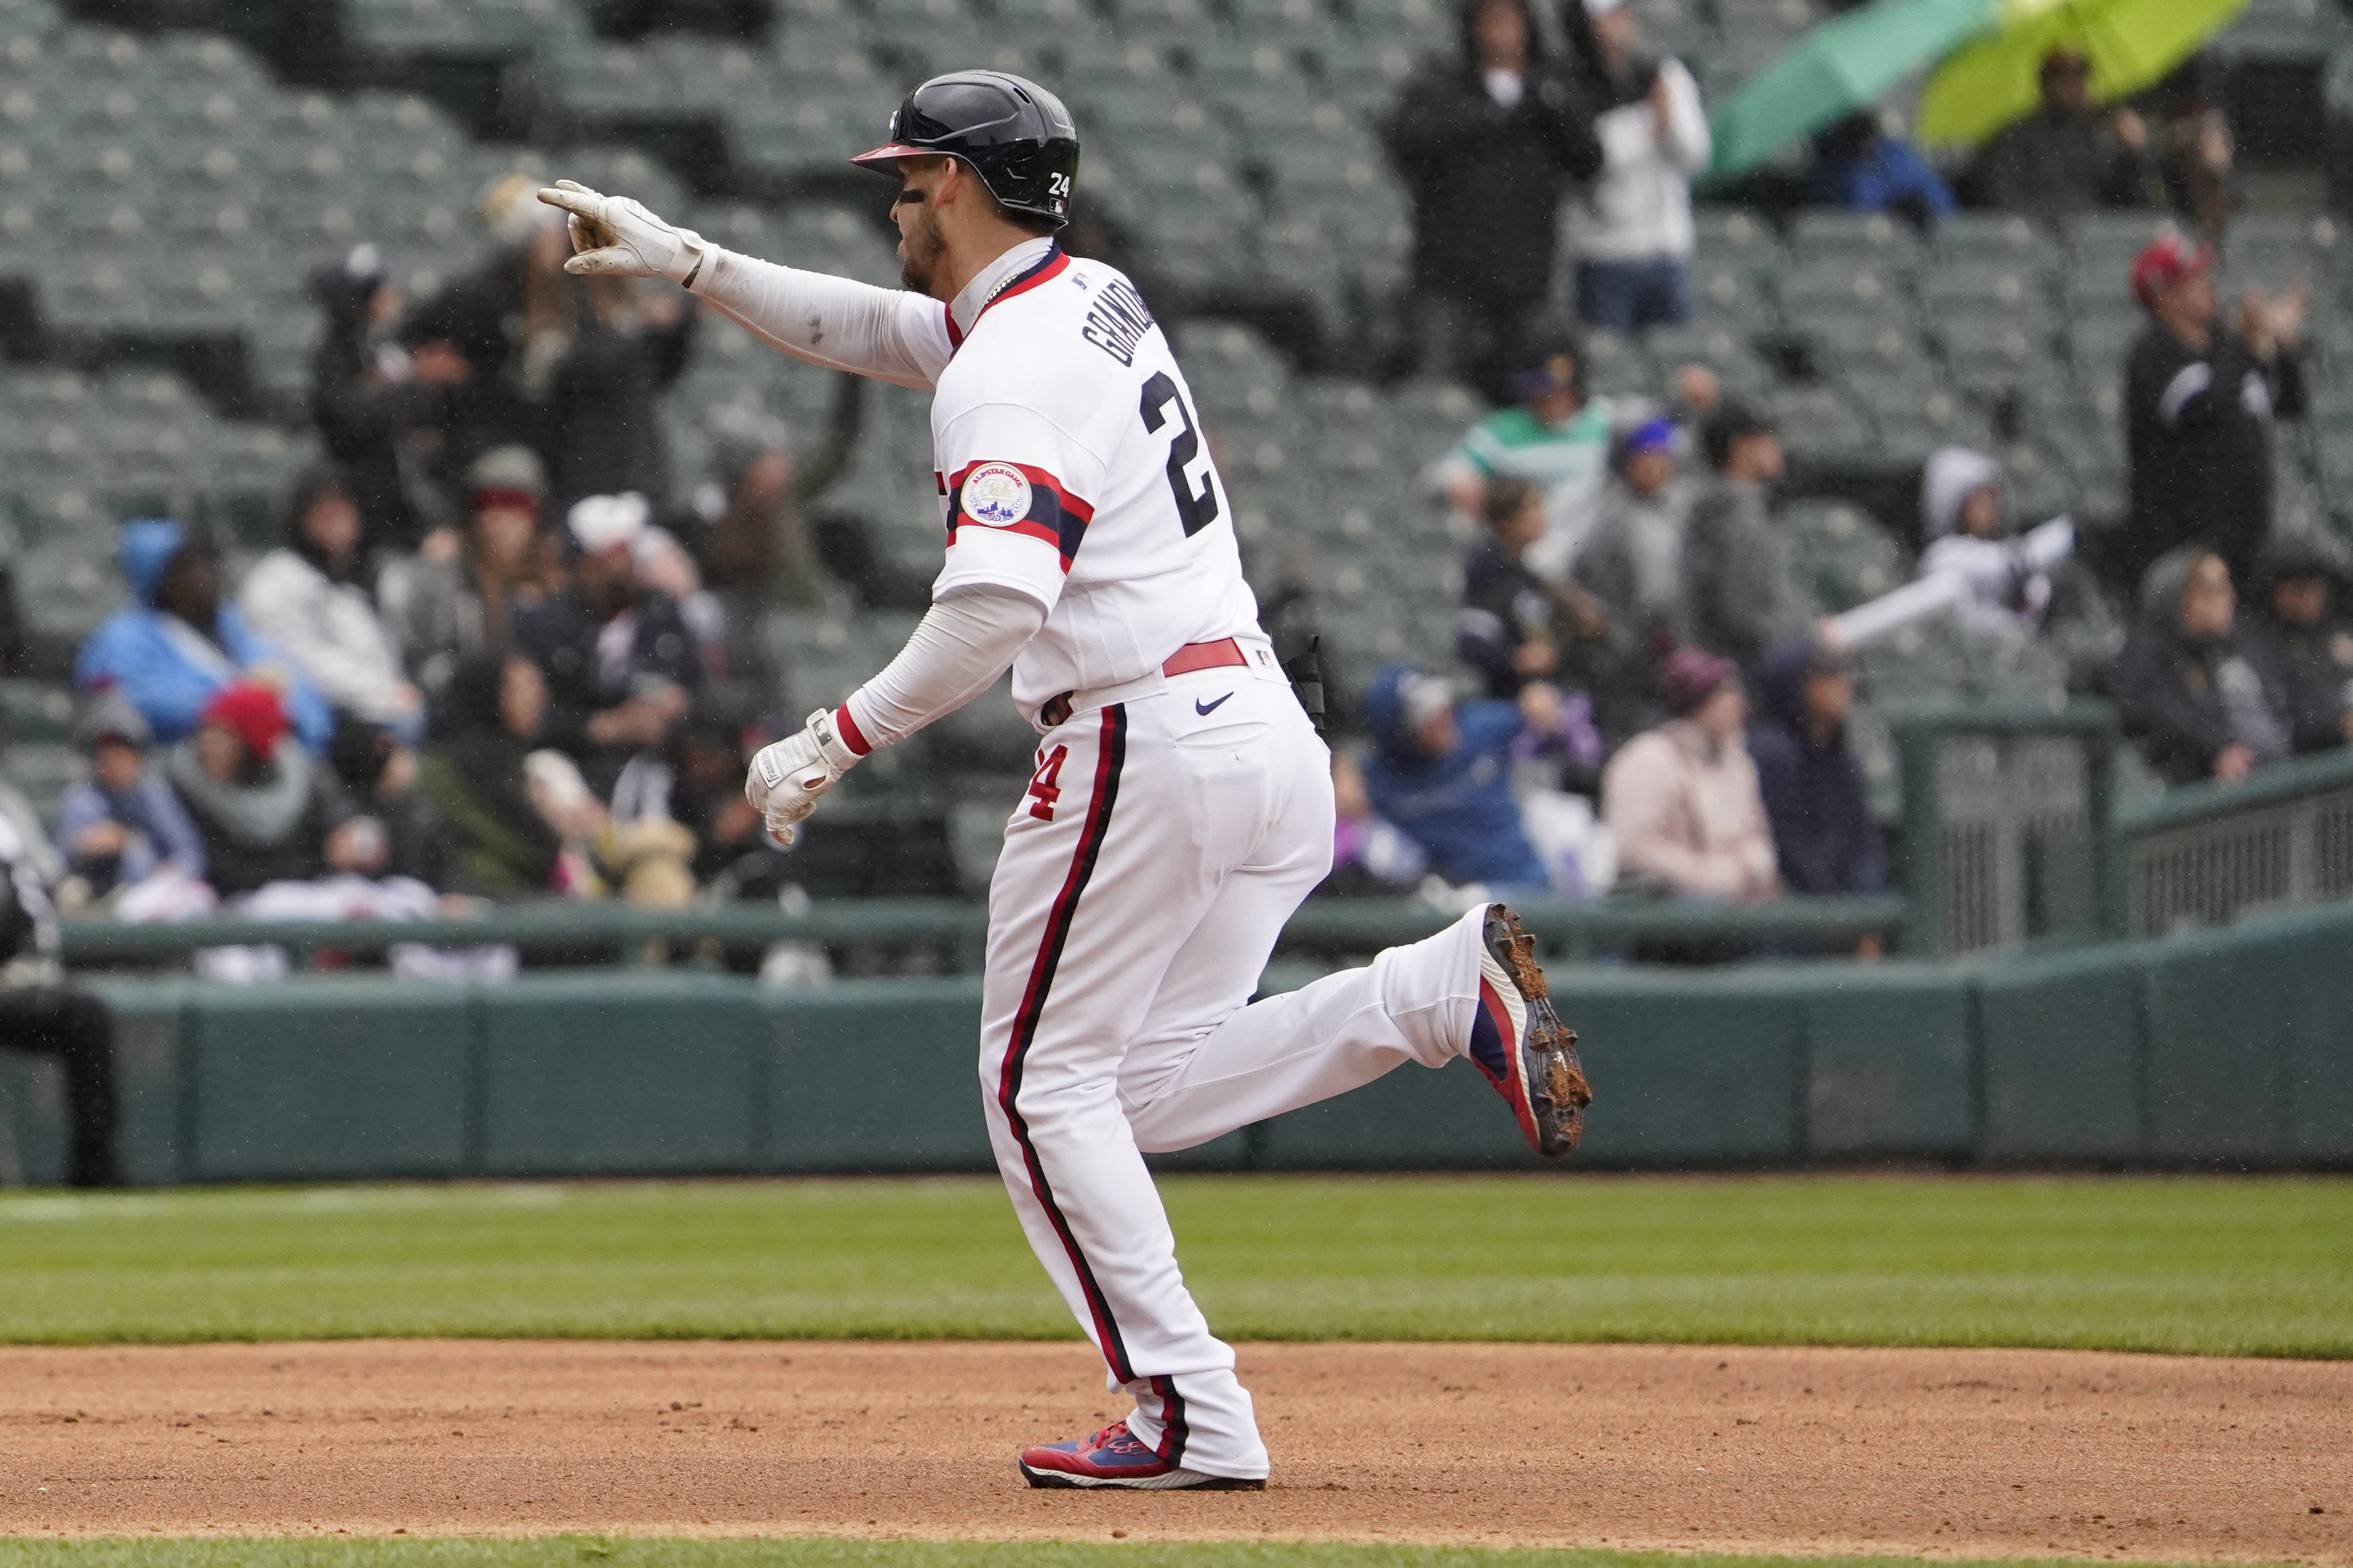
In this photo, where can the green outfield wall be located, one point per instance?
(2231, 1047)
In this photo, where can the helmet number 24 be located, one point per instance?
(1196, 511)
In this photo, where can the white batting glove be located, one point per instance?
(616, 235)
(787, 777)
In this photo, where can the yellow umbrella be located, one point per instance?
(1983, 86)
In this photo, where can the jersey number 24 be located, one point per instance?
(1196, 511)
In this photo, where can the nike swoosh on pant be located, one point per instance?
(1206, 708)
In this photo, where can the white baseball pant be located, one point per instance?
(1164, 841)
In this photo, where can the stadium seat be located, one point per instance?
(1888, 244)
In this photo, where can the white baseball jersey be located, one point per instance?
(1071, 468)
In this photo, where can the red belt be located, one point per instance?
(1193, 655)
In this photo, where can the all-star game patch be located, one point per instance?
(997, 494)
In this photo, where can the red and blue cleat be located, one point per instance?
(1520, 1043)
(1117, 1458)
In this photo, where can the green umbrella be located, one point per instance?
(1997, 79)
(1835, 68)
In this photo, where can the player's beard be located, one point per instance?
(925, 247)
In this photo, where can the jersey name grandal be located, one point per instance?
(1118, 322)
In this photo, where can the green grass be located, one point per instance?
(571, 1551)
(2198, 1264)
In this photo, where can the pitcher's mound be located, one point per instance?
(1952, 1452)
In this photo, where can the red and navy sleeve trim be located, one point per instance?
(1056, 517)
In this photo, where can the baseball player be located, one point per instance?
(1181, 805)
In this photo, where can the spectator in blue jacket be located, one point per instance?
(1441, 774)
(178, 644)
(1813, 786)
(1857, 164)
(123, 824)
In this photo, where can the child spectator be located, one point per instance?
(177, 645)
(1816, 802)
(2295, 625)
(2201, 706)
(123, 824)
(1506, 632)
(267, 811)
(306, 597)
(1965, 517)
(1682, 800)
(1634, 562)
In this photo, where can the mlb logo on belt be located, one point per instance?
(997, 494)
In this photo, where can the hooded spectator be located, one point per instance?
(1816, 801)
(1683, 799)
(1736, 563)
(267, 811)
(445, 607)
(378, 408)
(2303, 641)
(1965, 517)
(2196, 695)
(1633, 235)
(752, 514)
(40, 1012)
(123, 824)
(1554, 436)
(621, 664)
(1442, 774)
(505, 843)
(1505, 631)
(1488, 141)
(177, 644)
(1858, 164)
(2070, 157)
(2200, 401)
(305, 596)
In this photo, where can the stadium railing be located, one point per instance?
(2006, 815)
(2210, 854)
(603, 934)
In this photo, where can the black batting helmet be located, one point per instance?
(1016, 136)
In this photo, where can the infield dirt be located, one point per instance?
(1965, 1453)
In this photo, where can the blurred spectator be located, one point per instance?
(305, 597)
(267, 811)
(1634, 562)
(631, 20)
(453, 600)
(40, 1012)
(471, 339)
(2070, 157)
(504, 842)
(620, 664)
(2295, 626)
(1683, 799)
(644, 853)
(610, 349)
(1555, 439)
(378, 408)
(177, 644)
(1736, 563)
(380, 770)
(738, 672)
(2193, 692)
(1487, 142)
(123, 824)
(754, 532)
(1506, 632)
(1858, 164)
(1633, 235)
(2196, 150)
(1965, 517)
(1816, 801)
(1443, 775)
(2201, 400)
(696, 783)
(1370, 856)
